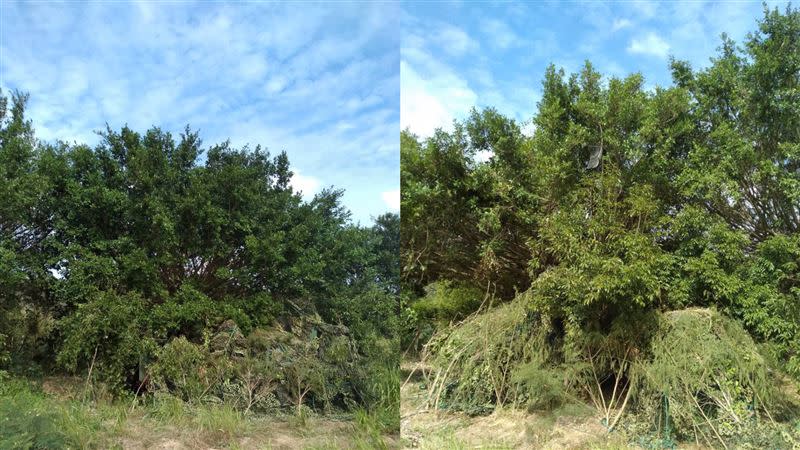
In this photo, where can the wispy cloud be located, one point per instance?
(437, 87)
(455, 40)
(499, 34)
(620, 24)
(649, 44)
(321, 83)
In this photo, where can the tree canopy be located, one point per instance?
(108, 253)
(626, 199)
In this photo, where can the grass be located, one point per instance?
(31, 418)
(572, 425)
(220, 423)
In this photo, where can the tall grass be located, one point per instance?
(31, 420)
(384, 409)
(219, 422)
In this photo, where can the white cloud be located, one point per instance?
(483, 155)
(286, 84)
(528, 128)
(650, 44)
(455, 41)
(620, 24)
(430, 102)
(305, 184)
(500, 34)
(392, 199)
(435, 92)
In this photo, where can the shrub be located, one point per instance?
(447, 301)
(305, 374)
(252, 385)
(184, 369)
(107, 334)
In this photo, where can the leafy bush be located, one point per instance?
(107, 335)
(185, 370)
(447, 301)
(444, 302)
(252, 385)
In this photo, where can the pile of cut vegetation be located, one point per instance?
(300, 360)
(699, 376)
(705, 380)
(475, 359)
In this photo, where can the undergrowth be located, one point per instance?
(469, 353)
(687, 375)
(32, 419)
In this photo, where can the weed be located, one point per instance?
(220, 423)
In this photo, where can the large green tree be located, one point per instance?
(108, 252)
(626, 200)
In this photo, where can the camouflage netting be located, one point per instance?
(297, 359)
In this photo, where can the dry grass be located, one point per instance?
(256, 434)
(168, 423)
(507, 428)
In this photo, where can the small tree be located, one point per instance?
(256, 380)
(304, 373)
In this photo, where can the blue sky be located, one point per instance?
(319, 81)
(455, 55)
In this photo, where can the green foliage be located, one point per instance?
(31, 420)
(26, 425)
(106, 335)
(638, 247)
(380, 382)
(477, 361)
(131, 254)
(313, 365)
(222, 422)
(444, 302)
(305, 374)
(447, 301)
(183, 369)
(706, 377)
(624, 201)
